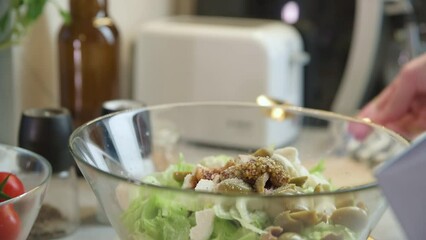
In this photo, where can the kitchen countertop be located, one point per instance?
(387, 228)
(89, 227)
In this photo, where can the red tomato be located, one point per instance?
(10, 224)
(12, 187)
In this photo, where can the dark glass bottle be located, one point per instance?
(88, 60)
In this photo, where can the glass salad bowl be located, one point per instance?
(18, 214)
(230, 170)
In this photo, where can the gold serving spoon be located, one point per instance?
(277, 112)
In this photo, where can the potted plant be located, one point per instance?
(16, 16)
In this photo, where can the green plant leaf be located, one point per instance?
(66, 16)
(33, 11)
(20, 14)
(4, 23)
(17, 3)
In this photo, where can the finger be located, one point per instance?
(419, 125)
(402, 126)
(419, 105)
(418, 69)
(391, 106)
(371, 112)
(411, 125)
(398, 103)
(358, 130)
(373, 109)
(395, 100)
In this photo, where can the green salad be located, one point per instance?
(173, 215)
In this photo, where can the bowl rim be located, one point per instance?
(303, 110)
(45, 180)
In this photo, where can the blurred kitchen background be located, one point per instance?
(353, 48)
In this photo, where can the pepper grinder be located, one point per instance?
(46, 131)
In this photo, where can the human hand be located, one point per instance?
(402, 105)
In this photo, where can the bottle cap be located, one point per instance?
(120, 105)
(141, 121)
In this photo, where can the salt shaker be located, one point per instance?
(46, 132)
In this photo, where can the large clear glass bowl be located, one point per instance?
(117, 151)
(35, 173)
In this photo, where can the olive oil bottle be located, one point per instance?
(89, 53)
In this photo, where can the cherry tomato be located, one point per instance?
(10, 186)
(10, 224)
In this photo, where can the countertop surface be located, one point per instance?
(387, 228)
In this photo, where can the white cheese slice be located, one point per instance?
(204, 225)
(205, 185)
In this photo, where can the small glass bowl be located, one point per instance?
(35, 172)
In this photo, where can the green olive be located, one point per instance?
(344, 200)
(362, 206)
(333, 236)
(287, 189)
(288, 223)
(290, 236)
(274, 230)
(262, 152)
(180, 176)
(354, 218)
(308, 218)
(322, 188)
(268, 236)
(259, 185)
(298, 181)
(234, 185)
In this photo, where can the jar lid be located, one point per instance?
(46, 131)
(120, 105)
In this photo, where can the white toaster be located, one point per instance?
(195, 58)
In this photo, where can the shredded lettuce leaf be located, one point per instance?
(215, 161)
(322, 229)
(255, 221)
(231, 230)
(318, 168)
(165, 178)
(158, 217)
(168, 215)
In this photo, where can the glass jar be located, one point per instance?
(46, 131)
